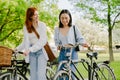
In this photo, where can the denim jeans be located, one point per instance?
(62, 56)
(38, 64)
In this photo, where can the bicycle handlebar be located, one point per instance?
(16, 52)
(20, 52)
(90, 55)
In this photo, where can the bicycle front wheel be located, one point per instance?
(103, 72)
(61, 75)
(50, 73)
(5, 76)
(20, 77)
(10, 76)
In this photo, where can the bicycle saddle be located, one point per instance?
(91, 55)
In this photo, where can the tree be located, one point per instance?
(12, 18)
(103, 11)
(111, 7)
(92, 33)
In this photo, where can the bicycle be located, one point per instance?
(17, 71)
(50, 70)
(96, 71)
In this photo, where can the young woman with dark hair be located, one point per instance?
(64, 36)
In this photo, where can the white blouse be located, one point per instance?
(31, 42)
(70, 38)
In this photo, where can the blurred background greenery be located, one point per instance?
(98, 21)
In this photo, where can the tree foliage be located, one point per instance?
(12, 18)
(103, 11)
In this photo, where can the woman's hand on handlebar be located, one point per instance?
(88, 46)
(68, 45)
(85, 45)
(26, 52)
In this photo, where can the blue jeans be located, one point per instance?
(38, 64)
(62, 57)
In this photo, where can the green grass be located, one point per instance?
(116, 68)
(115, 65)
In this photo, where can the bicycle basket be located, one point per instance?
(5, 56)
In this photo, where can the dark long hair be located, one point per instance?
(30, 12)
(67, 12)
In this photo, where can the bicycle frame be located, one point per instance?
(71, 62)
(68, 63)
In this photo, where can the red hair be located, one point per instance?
(30, 12)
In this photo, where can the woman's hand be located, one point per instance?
(26, 52)
(59, 47)
(85, 45)
(68, 45)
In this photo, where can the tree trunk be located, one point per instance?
(111, 58)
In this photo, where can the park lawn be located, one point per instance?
(115, 65)
(116, 68)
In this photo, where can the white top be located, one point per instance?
(31, 39)
(69, 38)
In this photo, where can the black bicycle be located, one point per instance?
(95, 71)
(17, 71)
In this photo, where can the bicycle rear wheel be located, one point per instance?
(61, 75)
(103, 72)
(9, 76)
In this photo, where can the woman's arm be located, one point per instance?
(24, 43)
(80, 38)
(56, 38)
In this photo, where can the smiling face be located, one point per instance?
(65, 19)
(35, 16)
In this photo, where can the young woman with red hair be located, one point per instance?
(35, 38)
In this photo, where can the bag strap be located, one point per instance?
(36, 33)
(74, 33)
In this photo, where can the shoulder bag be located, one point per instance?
(77, 47)
(49, 52)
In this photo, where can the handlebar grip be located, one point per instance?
(20, 52)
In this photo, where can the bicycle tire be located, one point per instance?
(8, 76)
(103, 72)
(27, 74)
(61, 75)
(49, 73)
(5, 76)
